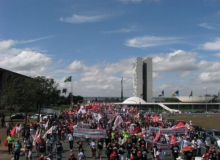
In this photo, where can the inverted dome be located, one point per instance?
(134, 100)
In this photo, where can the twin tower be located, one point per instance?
(143, 78)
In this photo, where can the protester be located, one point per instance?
(17, 149)
(10, 140)
(59, 149)
(28, 149)
(175, 151)
(93, 148)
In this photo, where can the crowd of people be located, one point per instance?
(130, 134)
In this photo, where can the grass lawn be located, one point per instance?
(212, 122)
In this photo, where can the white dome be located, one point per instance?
(134, 100)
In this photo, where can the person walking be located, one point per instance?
(59, 149)
(175, 151)
(10, 140)
(70, 138)
(93, 148)
(17, 148)
(28, 149)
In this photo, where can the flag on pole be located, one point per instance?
(162, 94)
(175, 94)
(68, 79)
(191, 94)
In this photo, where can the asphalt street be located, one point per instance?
(87, 151)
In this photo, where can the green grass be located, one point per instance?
(205, 121)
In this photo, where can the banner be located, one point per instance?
(180, 130)
(89, 133)
(153, 129)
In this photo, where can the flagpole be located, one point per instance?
(206, 101)
(178, 100)
(192, 101)
(71, 95)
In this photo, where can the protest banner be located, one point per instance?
(179, 130)
(89, 133)
(153, 129)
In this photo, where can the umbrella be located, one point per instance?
(187, 148)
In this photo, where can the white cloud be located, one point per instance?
(205, 25)
(77, 66)
(4, 45)
(212, 45)
(83, 19)
(24, 61)
(150, 41)
(124, 30)
(177, 61)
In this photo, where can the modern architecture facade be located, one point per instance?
(142, 78)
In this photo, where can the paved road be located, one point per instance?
(86, 148)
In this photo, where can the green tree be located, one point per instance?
(64, 91)
(20, 94)
(47, 91)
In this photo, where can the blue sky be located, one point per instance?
(96, 42)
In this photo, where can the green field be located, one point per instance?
(205, 121)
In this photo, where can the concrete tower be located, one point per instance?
(142, 78)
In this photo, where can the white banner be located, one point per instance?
(180, 130)
(89, 133)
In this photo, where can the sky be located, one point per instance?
(96, 42)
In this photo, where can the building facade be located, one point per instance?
(143, 78)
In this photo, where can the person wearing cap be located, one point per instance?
(160, 154)
(100, 147)
(72, 156)
(175, 151)
(141, 142)
(153, 150)
(134, 150)
(144, 152)
(17, 149)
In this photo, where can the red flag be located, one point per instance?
(156, 118)
(13, 131)
(172, 140)
(157, 136)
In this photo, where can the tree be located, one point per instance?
(20, 94)
(64, 91)
(47, 91)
